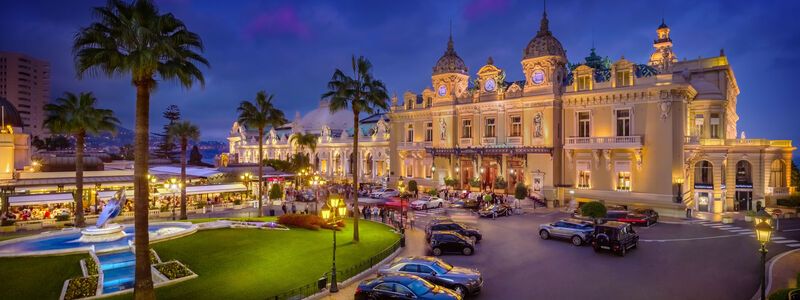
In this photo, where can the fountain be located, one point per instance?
(103, 231)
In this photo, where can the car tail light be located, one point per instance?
(358, 290)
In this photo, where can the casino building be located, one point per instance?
(660, 134)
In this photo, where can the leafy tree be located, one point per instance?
(275, 192)
(195, 157)
(450, 181)
(361, 93)
(136, 40)
(77, 115)
(183, 131)
(520, 191)
(166, 148)
(594, 210)
(412, 186)
(126, 151)
(259, 114)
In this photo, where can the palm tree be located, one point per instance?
(135, 39)
(183, 131)
(259, 114)
(77, 115)
(304, 140)
(361, 93)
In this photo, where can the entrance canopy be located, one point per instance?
(40, 199)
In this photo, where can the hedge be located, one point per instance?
(311, 222)
(173, 270)
(81, 287)
(91, 265)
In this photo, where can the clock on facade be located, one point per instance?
(489, 85)
(537, 77)
(442, 90)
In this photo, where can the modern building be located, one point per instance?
(333, 156)
(661, 134)
(25, 82)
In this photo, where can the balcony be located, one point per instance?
(411, 145)
(514, 140)
(488, 140)
(694, 140)
(465, 142)
(779, 191)
(612, 142)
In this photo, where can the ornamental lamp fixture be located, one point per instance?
(342, 208)
(763, 233)
(763, 216)
(326, 212)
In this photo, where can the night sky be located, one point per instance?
(290, 48)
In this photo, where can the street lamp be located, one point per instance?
(247, 177)
(763, 234)
(402, 188)
(763, 216)
(333, 211)
(173, 186)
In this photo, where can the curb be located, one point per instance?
(771, 263)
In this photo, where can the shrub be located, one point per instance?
(200, 204)
(487, 198)
(62, 217)
(593, 209)
(172, 270)
(91, 265)
(792, 201)
(782, 294)
(153, 257)
(237, 201)
(450, 181)
(8, 222)
(310, 222)
(475, 182)
(81, 287)
(275, 192)
(520, 191)
(500, 183)
(412, 186)
(431, 192)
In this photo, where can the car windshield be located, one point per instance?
(420, 287)
(441, 267)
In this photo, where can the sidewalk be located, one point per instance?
(782, 272)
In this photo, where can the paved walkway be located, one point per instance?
(783, 271)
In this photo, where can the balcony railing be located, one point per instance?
(411, 145)
(611, 142)
(694, 140)
(488, 141)
(784, 190)
(514, 140)
(465, 142)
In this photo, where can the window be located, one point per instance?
(490, 128)
(698, 124)
(584, 82)
(623, 122)
(428, 172)
(703, 175)
(410, 133)
(408, 104)
(409, 170)
(777, 172)
(584, 124)
(467, 128)
(425, 269)
(516, 126)
(410, 268)
(584, 179)
(429, 132)
(624, 181)
(743, 176)
(624, 78)
(429, 102)
(714, 122)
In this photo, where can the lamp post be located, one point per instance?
(173, 186)
(316, 182)
(246, 178)
(763, 234)
(459, 176)
(402, 188)
(333, 210)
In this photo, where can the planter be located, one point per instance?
(9, 228)
(748, 218)
(727, 219)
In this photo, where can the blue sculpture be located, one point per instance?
(112, 209)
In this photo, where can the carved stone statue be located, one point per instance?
(442, 129)
(537, 125)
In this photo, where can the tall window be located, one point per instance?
(714, 122)
(516, 126)
(490, 128)
(743, 176)
(428, 102)
(624, 78)
(409, 170)
(467, 128)
(408, 104)
(623, 122)
(584, 179)
(584, 82)
(698, 124)
(410, 133)
(703, 174)
(428, 172)
(584, 124)
(624, 181)
(777, 174)
(429, 132)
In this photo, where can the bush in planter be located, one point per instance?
(62, 217)
(275, 192)
(91, 265)
(520, 191)
(431, 192)
(81, 287)
(500, 183)
(172, 270)
(450, 181)
(594, 210)
(8, 222)
(475, 182)
(237, 201)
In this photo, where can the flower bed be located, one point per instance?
(311, 222)
(91, 266)
(81, 287)
(173, 270)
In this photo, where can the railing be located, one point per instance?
(411, 145)
(465, 141)
(774, 190)
(488, 141)
(604, 142)
(514, 140)
(694, 140)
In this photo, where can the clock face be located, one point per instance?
(442, 90)
(489, 85)
(537, 77)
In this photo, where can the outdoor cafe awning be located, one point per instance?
(190, 190)
(106, 195)
(40, 199)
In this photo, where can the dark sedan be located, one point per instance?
(496, 210)
(450, 242)
(463, 281)
(402, 286)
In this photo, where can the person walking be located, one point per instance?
(294, 208)
(283, 207)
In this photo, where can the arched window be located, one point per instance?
(703, 175)
(743, 174)
(777, 174)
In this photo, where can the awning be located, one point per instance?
(40, 199)
(207, 189)
(106, 195)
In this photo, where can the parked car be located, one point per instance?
(496, 210)
(463, 281)
(376, 193)
(427, 202)
(385, 193)
(465, 203)
(402, 286)
(305, 196)
(449, 225)
(442, 242)
(650, 214)
(614, 236)
(577, 231)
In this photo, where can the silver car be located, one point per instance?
(461, 280)
(577, 231)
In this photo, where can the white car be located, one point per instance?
(428, 202)
(376, 194)
(385, 193)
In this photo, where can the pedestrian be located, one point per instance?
(283, 207)
(294, 208)
(411, 220)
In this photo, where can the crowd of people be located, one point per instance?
(29, 213)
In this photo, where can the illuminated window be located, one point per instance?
(623, 122)
(584, 179)
(624, 78)
(490, 128)
(408, 104)
(410, 133)
(584, 82)
(429, 102)
(467, 128)
(409, 170)
(584, 124)
(777, 172)
(516, 126)
(428, 172)
(698, 124)
(624, 181)
(714, 126)
(429, 132)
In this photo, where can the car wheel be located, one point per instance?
(460, 290)
(544, 234)
(441, 204)
(467, 251)
(437, 251)
(474, 239)
(577, 241)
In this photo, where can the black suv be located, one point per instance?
(448, 225)
(450, 242)
(615, 236)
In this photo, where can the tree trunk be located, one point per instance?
(143, 286)
(356, 130)
(260, 169)
(183, 178)
(80, 139)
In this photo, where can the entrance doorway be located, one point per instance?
(743, 201)
(704, 201)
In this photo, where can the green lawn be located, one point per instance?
(261, 219)
(13, 235)
(37, 277)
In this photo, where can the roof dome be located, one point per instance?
(544, 43)
(9, 114)
(322, 116)
(450, 62)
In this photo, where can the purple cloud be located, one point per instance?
(281, 21)
(477, 9)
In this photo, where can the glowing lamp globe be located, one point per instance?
(763, 232)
